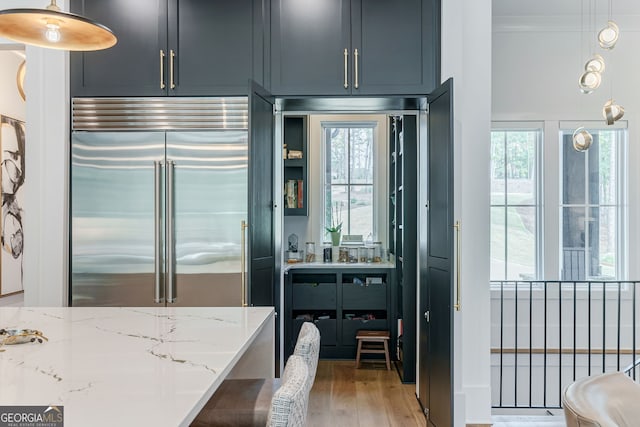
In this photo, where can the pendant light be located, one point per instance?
(54, 29)
(582, 139)
(608, 36)
(612, 112)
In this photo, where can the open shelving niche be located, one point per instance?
(296, 170)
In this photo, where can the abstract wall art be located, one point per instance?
(12, 141)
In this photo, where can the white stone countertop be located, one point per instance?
(126, 366)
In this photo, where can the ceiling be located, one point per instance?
(562, 7)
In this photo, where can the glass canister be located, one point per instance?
(327, 252)
(362, 254)
(310, 249)
(377, 252)
(370, 253)
(353, 255)
(343, 254)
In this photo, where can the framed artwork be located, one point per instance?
(12, 140)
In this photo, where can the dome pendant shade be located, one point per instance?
(608, 36)
(612, 112)
(53, 29)
(582, 139)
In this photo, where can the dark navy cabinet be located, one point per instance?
(173, 47)
(354, 47)
(340, 301)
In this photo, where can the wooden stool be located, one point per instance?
(373, 342)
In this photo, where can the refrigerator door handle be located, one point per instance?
(243, 262)
(170, 250)
(157, 230)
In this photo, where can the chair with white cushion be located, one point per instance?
(246, 402)
(605, 400)
(290, 401)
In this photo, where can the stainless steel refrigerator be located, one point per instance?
(159, 191)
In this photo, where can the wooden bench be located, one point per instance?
(376, 342)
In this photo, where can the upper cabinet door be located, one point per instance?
(397, 45)
(133, 66)
(173, 47)
(308, 43)
(217, 46)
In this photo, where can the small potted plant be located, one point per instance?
(336, 225)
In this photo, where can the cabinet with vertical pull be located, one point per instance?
(172, 48)
(354, 47)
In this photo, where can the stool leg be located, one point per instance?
(358, 354)
(386, 355)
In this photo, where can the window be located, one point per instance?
(515, 204)
(349, 177)
(592, 206)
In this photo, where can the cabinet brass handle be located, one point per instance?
(346, 68)
(355, 67)
(172, 55)
(243, 262)
(458, 304)
(162, 85)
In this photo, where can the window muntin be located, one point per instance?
(516, 231)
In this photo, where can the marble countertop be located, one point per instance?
(125, 366)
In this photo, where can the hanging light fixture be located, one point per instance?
(608, 36)
(595, 63)
(589, 81)
(612, 112)
(54, 29)
(582, 139)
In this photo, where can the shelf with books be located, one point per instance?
(295, 166)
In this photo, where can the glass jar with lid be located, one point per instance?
(310, 249)
(377, 252)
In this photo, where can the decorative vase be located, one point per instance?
(335, 238)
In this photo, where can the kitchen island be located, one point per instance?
(132, 366)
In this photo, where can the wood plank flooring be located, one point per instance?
(370, 396)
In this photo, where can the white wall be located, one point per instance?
(466, 49)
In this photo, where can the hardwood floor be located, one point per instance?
(370, 396)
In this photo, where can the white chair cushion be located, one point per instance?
(289, 403)
(606, 400)
(308, 347)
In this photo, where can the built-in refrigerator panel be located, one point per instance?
(112, 217)
(210, 202)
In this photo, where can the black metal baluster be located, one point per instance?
(619, 310)
(530, 342)
(604, 332)
(574, 331)
(559, 341)
(515, 354)
(633, 330)
(589, 330)
(544, 353)
(501, 335)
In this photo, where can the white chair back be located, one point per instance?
(290, 401)
(308, 347)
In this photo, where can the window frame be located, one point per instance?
(352, 124)
(622, 194)
(539, 129)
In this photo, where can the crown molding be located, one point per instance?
(561, 23)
